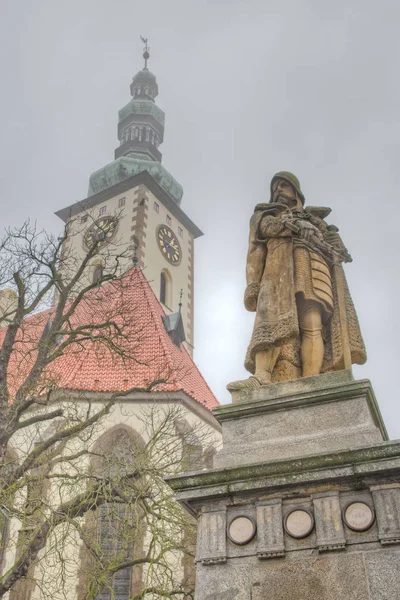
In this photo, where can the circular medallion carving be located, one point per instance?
(299, 523)
(358, 516)
(241, 530)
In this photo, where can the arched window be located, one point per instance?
(166, 288)
(97, 273)
(120, 529)
(163, 288)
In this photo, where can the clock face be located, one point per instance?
(169, 245)
(101, 231)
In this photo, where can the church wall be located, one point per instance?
(52, 572)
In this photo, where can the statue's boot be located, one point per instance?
(252, 383)
(265, 362)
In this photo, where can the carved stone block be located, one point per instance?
(211, 538)
(270, 541)
(328, 521)
(387, 506)
(328, 577)
(308, 420)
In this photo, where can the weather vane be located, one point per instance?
(146, 54)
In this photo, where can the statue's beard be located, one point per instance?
(289, 201)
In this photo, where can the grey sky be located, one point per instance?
(249, 88)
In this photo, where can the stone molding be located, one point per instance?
(361, 464)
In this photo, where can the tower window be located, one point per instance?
(180, 231)
(156, 207)
(121, 202)
(163, 288)
(102, 210)
(169, 220)
(97, 273)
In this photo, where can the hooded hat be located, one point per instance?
(292, 179)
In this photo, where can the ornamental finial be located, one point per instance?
(146, 54)
(180, 301)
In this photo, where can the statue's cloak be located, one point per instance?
(271, 270)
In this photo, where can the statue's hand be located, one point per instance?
(333, 238)
(307, 231)
(251, 296)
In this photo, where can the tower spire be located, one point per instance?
(140, 133)
(146, 53)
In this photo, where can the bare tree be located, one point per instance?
(52, 474)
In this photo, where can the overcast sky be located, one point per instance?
(249, 88)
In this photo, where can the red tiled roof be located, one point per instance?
(85, 365)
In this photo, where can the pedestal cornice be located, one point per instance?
(367, 465)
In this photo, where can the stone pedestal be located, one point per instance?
(304, 499)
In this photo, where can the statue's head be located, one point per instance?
(285, 189)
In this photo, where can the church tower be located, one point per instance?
(137, 202)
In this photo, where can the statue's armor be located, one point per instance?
(313, 278)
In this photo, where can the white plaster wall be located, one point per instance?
(125, 414)
(154, 261)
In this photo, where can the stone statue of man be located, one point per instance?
(305, 322)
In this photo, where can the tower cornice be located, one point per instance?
(144, 178)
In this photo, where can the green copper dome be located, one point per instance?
(125, 167)
(141, 107)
